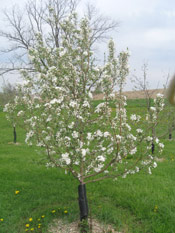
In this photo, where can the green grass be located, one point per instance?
(129, 204)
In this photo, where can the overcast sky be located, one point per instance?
(146, 27)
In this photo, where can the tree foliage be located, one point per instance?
(93, 143)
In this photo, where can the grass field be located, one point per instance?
(138, 204)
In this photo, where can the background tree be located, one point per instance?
(154, 116)
(8, 94)
(45, 18)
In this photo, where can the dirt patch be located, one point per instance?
(60, 226)
(135, 94)
(16, 144)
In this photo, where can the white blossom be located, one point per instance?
(101, 158)
(99, 133)
(75, 134)
(139, 131)
(65, 158)
(133, 151)
(106, 134)
(20, 113)
(153, 109)
(71, 125)
(89, 136)
(90, 95)
(86, 104)
(161, 145)
(73, 104)
(154, 165)
(133, 117)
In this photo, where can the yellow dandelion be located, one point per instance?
(32, 229)
(65, 211)
(155, 208)
(27, 225)
(39, 226)
(43, 216)
(1, 220)
(17, 192)
(53, 211)
(39, 219)
(30, 219)
(26, 229)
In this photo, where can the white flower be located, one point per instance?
(132, 137)
(71, 125)
(49, 118)
(159, 95)
(86, 104)
(47, 138)
(110, 150)
(6, 107)
(149, 139)
(139, 131)
(157, 140)
(73, 104)
(90, 95)
(101, 158)
(103, 148)
(67, 139)
(153, 109)
(83, 152)
(65, 158)
(99, 133)
(99, 107)
(154, 165)
(149, 171)
(161, 145)
(128, 127)
(133, 151)
(118, 137)
(40, 144)
(75, 134)
(106, 171)
(20, 113)
(112, 95)
(85, 53)
(151, 157)
(55, 101)
(97, 169)
(37, 106)
(133, 117)
(81, 144)
(89, 136)
(106, 134)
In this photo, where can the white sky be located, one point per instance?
(146, 27)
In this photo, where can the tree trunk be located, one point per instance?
(14, 134)
(83, 204)
(170, 136)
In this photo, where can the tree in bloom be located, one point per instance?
(154, 106)
(153, 118)
(91, 142)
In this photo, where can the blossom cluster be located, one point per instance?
(154, 111)
(59, 114)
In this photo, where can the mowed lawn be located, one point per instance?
(32, 196)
